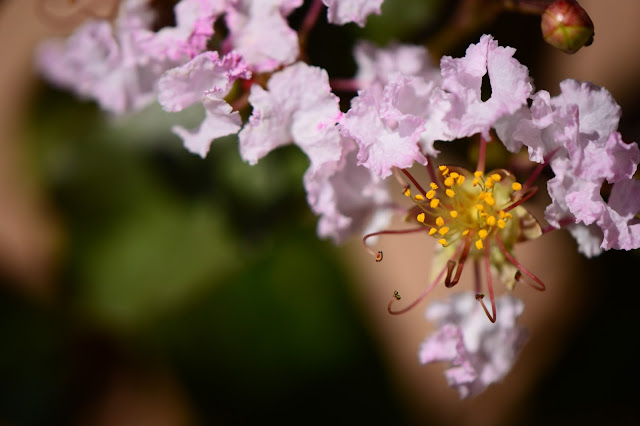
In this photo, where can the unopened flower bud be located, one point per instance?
(567, 26)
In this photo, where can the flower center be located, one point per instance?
(462, 204)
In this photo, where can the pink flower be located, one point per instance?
(297, 107)
(462, 77)
(349, 199)
(481, 353)
(384, 126)
(118, 65)
(207, 78)
(260, 33)
(344, 11)
(98, 61)
(194, 27)
(383, 65)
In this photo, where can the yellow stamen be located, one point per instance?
(407, 192)
(496, 177)
(450, 193)
(479, 245)
(434, 203)
(440, 221)
(465, 232)
(460, 180)
(419, 197)
(454, 175)
(432, 231)
(488, 183)
(478, 174)
(491, 220)
(489, 200)
(443, 231)
(479, 207)
(433, 186)
(449, 181)
(502, 224)
(453, 214)
(443, 241)
(516, 186)
(475, 182)
(483, 233)
(420, 218)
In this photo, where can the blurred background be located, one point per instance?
(143, 285)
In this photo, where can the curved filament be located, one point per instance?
(378, 255)
(480, 296)
(424, 293)
(537, 284)
(448, 282)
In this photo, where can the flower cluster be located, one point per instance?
(403, 106)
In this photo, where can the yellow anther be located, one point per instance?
(431, 194)
(420, 218)
(483, 233)
(407, 192)
(444, 170)
(491, 220)
(501, 224)
(434, 203)
(453, 214)
(443, 231)
(502, 214)
(478, 173)
(479, 207)
(482, 195)
(443, 241)
(475, 182)
(432, 231)
(450, 193)
(465, 232)
(460, 180)
(516, 186)
(488, 183)
(496, 177)
(440, 221)
(479, 245)
(454, 175)
(508, 215)
(489, 200)
(419, 197)
(433, 185)
(449, 181)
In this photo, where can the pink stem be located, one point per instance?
(482, 155)
(310, 19)
(415, 182)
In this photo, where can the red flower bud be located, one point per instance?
(567, 26)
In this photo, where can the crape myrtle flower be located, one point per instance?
(118, 64)
(480, 353)
(298, 107)
(259, 31)
(576, 132)
(345, 11)
(207, 78)
(398, 124)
